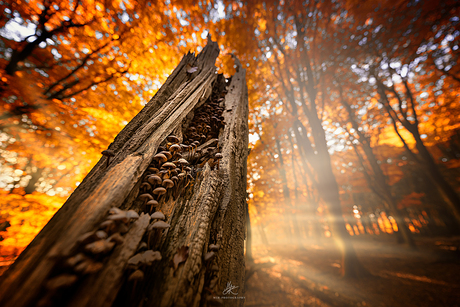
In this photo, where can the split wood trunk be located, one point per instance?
(90, 254)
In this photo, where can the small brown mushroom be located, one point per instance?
(74, 260)
(214, 247)
(209, 256)
(145, 196)
(183, 162)
(152, 203)
(122, 217)
(131, 214)
(159, 225)
(154, 179)
(146, 186)
(86, 238)
(159, 191)
(167, 154)
(142, 247)
(100, 234)
(160, 158)
(175, 148)
(144, 258)
(169, 165)
(158, 215)
(154, 170)
(107, 225)
(167, 183)
(88, 266)
(108, 153)
(137, 275)
(172, 139)
(215, 268)
(115, 210)
(218, 156)
(99, 247)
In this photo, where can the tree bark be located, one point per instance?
(206, 207)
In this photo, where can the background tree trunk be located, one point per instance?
(206, 207)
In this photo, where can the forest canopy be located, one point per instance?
(354, 106)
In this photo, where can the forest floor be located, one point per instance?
(284, 275)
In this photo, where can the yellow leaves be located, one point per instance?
(115, 36)
(262, 25)
(27, 216)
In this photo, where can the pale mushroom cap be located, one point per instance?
(115, 210)
(158, 215)
(106, 223)
(99, 247)
(119, 217)
(150, 256)
(214, 247)
(209, 256)
(100, 234)
(175, 148)
(183, 161)
(152, 203)
(153, 169)
(146, 185)
(167, 183)
(154, 179)
(131, 214)
(160, 225)
(145, 196)
(218, 156)
(160, 157)
(167, 154)
(169, 165)
(159, 191)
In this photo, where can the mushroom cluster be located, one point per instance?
(175, 164)
(212, 271)
(90, 251)
(168, 173)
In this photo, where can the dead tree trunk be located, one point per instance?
(102, 248)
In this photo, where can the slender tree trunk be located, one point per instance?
(287, 197)
(263, 235)
(427, 162)
(329, 191)
(379, 181)
(31, 185)
(72, 262)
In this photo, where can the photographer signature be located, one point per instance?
(229, 288)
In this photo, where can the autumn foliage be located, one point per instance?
(348, 97)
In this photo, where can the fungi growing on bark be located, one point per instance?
(108, 153)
